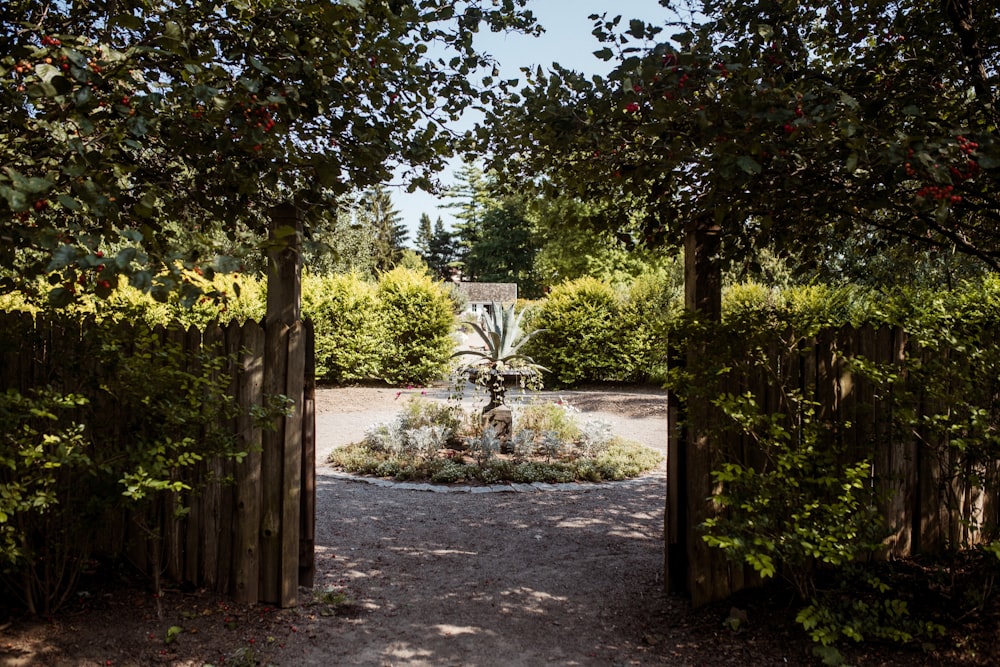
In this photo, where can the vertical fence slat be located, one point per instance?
(246, 579)
(226, 575)
(192, 524)
(272, 475)
(307, 517)
(291, 466)
(211, 521)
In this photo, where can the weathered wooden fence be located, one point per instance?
(926, 505)
(249, 531)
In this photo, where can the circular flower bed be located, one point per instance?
(442, 443)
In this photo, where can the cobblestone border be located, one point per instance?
(534, 487)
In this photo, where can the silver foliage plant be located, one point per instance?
(398, 439)
(596, 437)
(486, 446)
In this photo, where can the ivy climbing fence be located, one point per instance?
(245, 525)
(925, 420)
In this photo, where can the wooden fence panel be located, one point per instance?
(218, 544)
(927, 506)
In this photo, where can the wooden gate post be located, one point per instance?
(690, 562)
(284, 374)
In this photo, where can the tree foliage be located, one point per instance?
(388, 233)
(505, 249)
(574, 241)
(437, 247)
(141, 127)
(790, 125)
(470, 197)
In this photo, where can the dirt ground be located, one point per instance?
(473, 578)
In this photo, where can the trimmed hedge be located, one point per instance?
(597, 333)
(419, 322)
(350, 329)
(398, 329)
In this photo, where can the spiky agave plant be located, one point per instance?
(502, 333)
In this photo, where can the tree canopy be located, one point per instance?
(787, 124)
(139, 132)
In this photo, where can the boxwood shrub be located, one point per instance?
(594, 333)
(419, 321)
(349, 326)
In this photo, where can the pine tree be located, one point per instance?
(441, 253)
(425, 235)
(506, 249)
(470, 200)
(389, 233)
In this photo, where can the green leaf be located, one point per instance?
(748, 164)
(31, 185)
(62, 257)
(46, 72)
(173, 632)
(16, 199)
(68, 202)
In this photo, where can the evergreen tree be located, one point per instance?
(470, 199)
(441, 254)
(505, 250)
(389, 233)
(425, 235)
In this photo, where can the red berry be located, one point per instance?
(41, 204)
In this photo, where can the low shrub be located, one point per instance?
(580, 340)
(556, 418)
(46, 478)
(595, 332)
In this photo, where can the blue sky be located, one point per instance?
(567, 40)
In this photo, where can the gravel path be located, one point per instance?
(569, 577)
(489, 578)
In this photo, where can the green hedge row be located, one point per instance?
(595, 332)
(397, 329)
